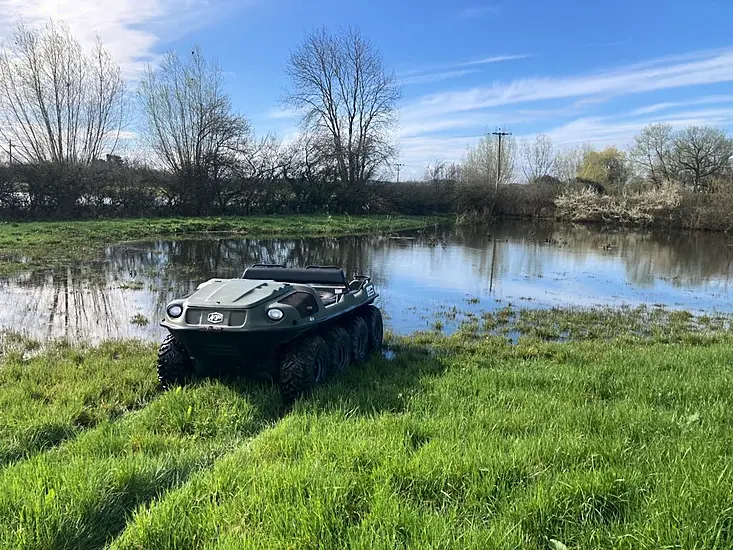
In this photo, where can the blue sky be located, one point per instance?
(579, 71)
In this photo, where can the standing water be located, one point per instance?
(124, 292)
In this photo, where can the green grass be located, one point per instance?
(462, 441)
(52, 396)
(43, 243)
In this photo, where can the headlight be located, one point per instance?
(175, 311)
(275, 314)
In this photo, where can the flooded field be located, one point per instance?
(123, 292)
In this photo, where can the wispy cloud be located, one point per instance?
(706, 70)
(417, 152)
(421, 127)
(132, 31)
(494, 59)
(282, 114)
(454, 70)
(429, 78)
(476, 12)
(706, 100)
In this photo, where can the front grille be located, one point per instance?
(233, 318)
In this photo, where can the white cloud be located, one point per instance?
(420, 127)
(277, 113)
(706, 100)
(435, 77)
(133, 31)
(413, 123)
(711, 69)
(417, 152)
(455, 70)
(494, 59)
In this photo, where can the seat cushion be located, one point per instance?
(310, 275)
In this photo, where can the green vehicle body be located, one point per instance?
(259, 324)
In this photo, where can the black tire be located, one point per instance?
(373, 318)
(303, 366)
(174, 363)
(359, 335)
(340, 344)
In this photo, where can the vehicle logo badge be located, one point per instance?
(215, 317)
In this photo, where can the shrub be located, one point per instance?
(710, 211)
(648, 207)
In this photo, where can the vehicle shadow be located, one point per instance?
(383, 384)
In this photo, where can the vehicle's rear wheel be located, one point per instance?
(340, 344)
(373, 318)
(174, 363)
(359, 335)
(303, 366)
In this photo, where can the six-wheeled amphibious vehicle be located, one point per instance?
(293, 325)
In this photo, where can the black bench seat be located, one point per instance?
(332, 276)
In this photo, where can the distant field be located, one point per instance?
(42, 243)
(605, 440)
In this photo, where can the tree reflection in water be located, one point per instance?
(531, 264)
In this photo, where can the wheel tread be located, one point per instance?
(358, 330)
(174, 365)
(296, 366)
(338, 336)
(373, 317)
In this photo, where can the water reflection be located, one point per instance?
(532, 265)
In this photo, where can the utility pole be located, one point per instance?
(11, 151)
(398, 165)
(498, 159)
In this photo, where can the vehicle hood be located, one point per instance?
(235, 293)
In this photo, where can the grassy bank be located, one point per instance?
(606, 439)
(43, 243)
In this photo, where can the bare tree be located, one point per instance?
(701, 153)
(348, 101)
(189, 124)
(538, 158)
(58, 104)
(652, 153)
(442, 171)
(568, 163)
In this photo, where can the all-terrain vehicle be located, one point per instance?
(296, 326)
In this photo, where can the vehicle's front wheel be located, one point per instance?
(174, 363)
(304, 366)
